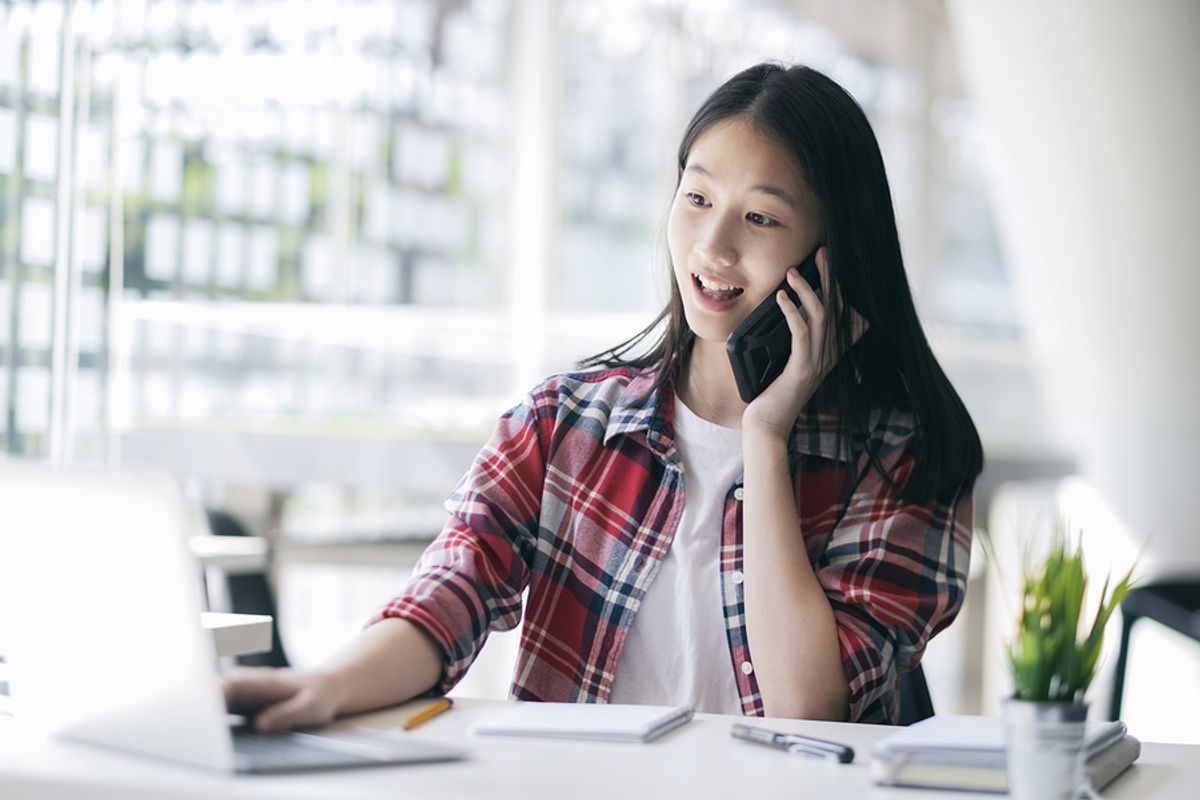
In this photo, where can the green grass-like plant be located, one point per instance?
(1049, 661)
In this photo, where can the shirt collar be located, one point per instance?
(642, 409)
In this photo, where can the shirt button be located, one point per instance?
(739, 494)
(747, 668)
(737, 576)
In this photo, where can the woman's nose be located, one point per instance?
(716, 243)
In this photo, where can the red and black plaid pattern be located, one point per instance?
(576, 498)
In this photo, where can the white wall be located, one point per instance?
(1092, 111)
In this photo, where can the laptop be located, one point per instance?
(100, 607)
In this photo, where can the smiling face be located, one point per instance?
(742, 215)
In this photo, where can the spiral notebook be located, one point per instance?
(612, 722)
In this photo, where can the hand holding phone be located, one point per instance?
(759, 347)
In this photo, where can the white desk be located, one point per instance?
(233, 555)
(238, 634)
(699, 760)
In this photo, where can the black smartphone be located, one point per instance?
(760, 345)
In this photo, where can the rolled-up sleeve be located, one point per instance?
(469, 580)
(895, 574)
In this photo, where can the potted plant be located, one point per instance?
(1053, 659)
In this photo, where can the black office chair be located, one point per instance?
(1176, 605)
(249, 594)
(915, 702)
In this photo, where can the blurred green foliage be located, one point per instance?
(1049, 660)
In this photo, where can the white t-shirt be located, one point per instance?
(677, 652)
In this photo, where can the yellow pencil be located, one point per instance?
(427, 713)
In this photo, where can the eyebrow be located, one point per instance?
(765, 188)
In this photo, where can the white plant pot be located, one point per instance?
(1045, 748)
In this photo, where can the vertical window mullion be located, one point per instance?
(61, 371)
(535, 70)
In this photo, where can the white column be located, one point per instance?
(1090, 108)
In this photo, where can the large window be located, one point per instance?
(244, 218)
(295, 249)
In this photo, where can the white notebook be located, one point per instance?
(613, 722)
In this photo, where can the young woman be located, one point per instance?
(787, 557)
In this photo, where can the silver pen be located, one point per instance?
(794, 743)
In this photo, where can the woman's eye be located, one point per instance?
(760, 219)
(696, 199)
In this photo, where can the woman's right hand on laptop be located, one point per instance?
(389, 662)
(279, 699)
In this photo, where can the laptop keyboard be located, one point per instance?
(286, 752)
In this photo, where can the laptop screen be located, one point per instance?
(102, 605)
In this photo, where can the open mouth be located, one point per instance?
(716, 290)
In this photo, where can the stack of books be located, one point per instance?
(968, 753)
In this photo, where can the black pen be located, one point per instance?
(794, 743)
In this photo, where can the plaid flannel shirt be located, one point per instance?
(577, 497)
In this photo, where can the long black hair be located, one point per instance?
(826, 131)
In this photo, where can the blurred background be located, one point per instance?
(302, 255)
